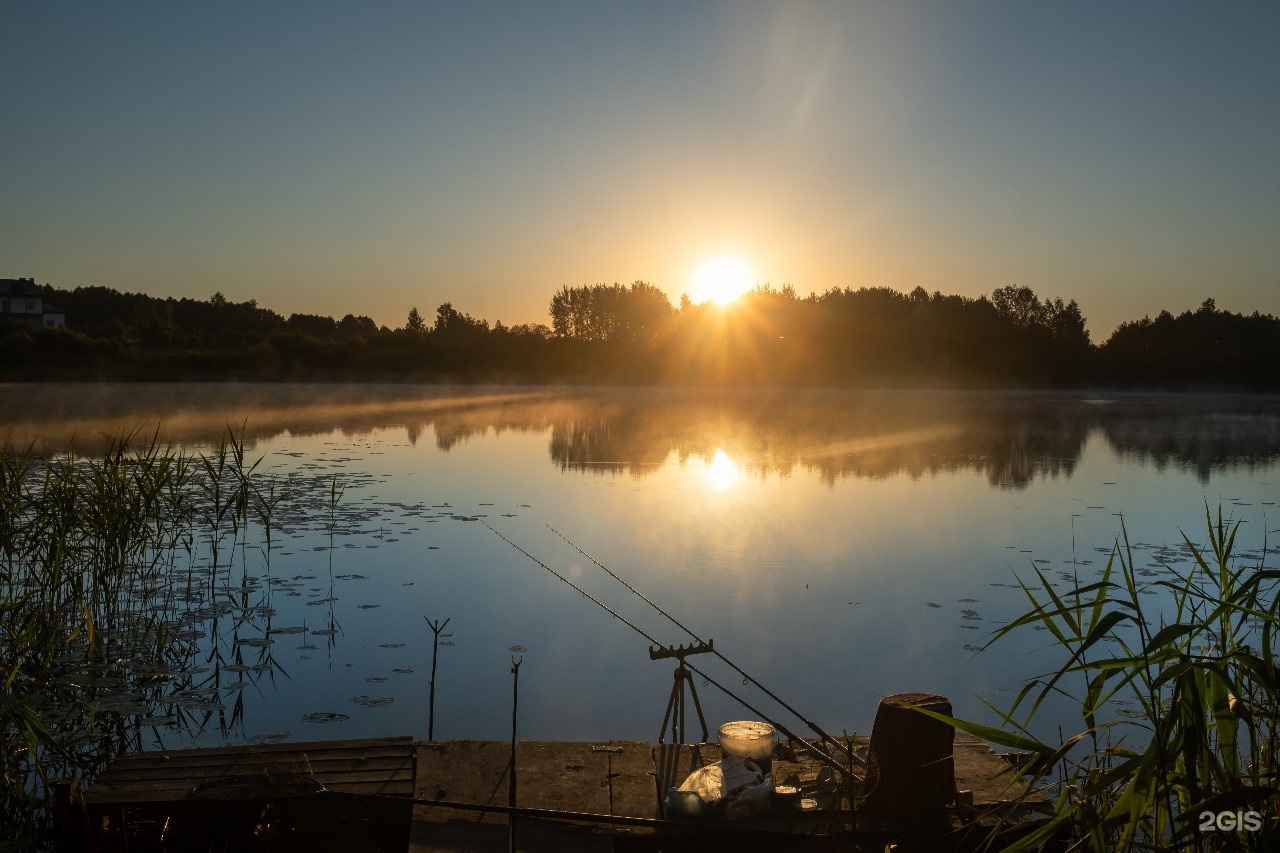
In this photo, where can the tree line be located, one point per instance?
(602, 333)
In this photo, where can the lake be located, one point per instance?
(838, 546)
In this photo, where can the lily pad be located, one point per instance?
(325, 717)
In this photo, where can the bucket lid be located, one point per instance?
(746, 730)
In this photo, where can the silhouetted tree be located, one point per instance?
(414, 323)
(1207, 347)
(313, 324)
(353, 326)
(452, 323)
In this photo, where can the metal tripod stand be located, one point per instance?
(675, 705)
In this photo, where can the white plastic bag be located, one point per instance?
(725, 780)
(749, 800)
(739, 773)
(707, 782)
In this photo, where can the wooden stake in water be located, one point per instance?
(436, 628)
(511, 788)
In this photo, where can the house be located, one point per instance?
(22, 303)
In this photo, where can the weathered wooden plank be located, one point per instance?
(608, 778)
(382, 766)
(549, 775)
(177, 768)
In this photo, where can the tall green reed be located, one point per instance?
(1196, 767)
(97, 555)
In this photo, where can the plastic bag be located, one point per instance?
(738, 773)
(749, 800)
(707, 782)
(685, 804)
(724, 779)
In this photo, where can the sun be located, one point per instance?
(722, 280)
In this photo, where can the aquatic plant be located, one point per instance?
(98, 562)
(1193, 766)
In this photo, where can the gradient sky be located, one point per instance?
(364, 158)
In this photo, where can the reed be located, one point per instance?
(97, 562)
(1194, 766)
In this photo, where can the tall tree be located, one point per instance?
(414, 323)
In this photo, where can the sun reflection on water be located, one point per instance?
(722, 471)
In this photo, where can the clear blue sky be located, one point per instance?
(364, 158)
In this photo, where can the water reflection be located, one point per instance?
(801, 529)
(721, 471)
(1010, 439)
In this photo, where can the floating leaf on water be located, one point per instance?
(373, 702)
(369, 606)
(124, 705)
(931, 604)
(325, 717)
(966, 600)
(307, 648)
(519, 649)
(156, 721)
(969, 647)
(294, 629)
(391, 645)
(237, 685)
(375, 679)
(255, 642)
(402, 670)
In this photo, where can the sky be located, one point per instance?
(366, 158)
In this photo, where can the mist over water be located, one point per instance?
(838, 546)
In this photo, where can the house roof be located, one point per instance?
(20, 287)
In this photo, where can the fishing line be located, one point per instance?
(812, 725)
(806, 745)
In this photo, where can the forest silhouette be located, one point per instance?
(632, 334)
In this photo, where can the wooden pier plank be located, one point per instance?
(613, 778)
(380, 766)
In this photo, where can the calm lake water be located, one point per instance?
(838, 546)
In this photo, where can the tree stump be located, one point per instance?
(911, 775)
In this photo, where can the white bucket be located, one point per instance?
(747, 739)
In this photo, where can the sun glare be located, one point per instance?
(721, 471)
(722, 280)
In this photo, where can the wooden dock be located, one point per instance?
(354, 794)
(391, 794)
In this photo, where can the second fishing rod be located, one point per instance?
(813, 727)
(811, 748)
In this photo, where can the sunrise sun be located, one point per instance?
(722, 280)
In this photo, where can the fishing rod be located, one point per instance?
(806, 745)
(775, 697)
